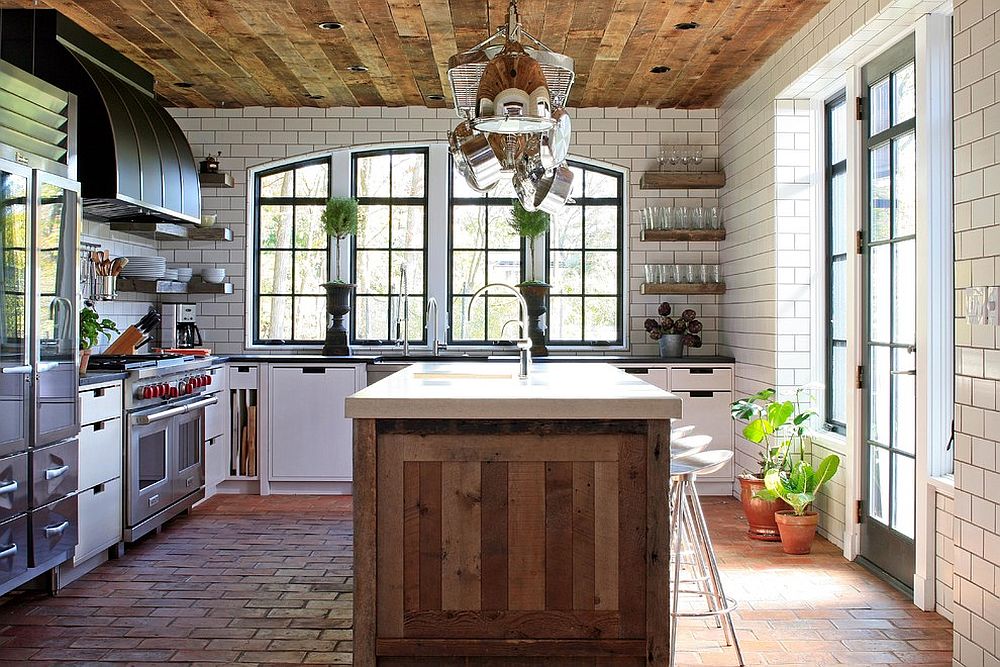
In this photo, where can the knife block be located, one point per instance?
(126, 342)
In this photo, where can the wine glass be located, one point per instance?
(685, 157)
(696, 157)
(661, 158)
(675, 156)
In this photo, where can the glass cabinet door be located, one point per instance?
(15, 368)
(56, 280)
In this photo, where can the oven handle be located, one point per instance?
(143, 420)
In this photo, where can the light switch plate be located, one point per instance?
(975, 305)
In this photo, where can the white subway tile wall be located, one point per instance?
(944, 555)
(976, 533)
(626, 137)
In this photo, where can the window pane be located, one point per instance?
(879, 107)
(372, 271)
(904, 94)
(880, 203)
(838, 213)
(500, 310)
(468, 271)
(601, 185)
(310, 271)
(408, 175)
(468, 226)
(566, 229)
(502, 235)
(309, 230)
(904, 316)
(275, 226)
(372, 175)
(275, 316)
(565, 272)
(600, 318)
(566, 318)
(602, 227)
(312, 181)
(371, 318)
(277, 185)
(879, 299)
(275, 274)
(472, 329)
(373, 226)
(838, 132)
(904, 400)
(504, 267)
(880, 407)
(601, 273)
(904, 182)
(838, 289)
(838, 385)
(310, 318)
(414, 261)
(904, 495)
(577, 189)
(407, 226)
(878, 489)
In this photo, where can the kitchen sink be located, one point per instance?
(459, 375)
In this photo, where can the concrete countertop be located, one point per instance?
(97, 377)
(442, 390)
(389, 358)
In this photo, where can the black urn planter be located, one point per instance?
(338, 305)
(536, 296)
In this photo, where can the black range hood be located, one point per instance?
(134, 163)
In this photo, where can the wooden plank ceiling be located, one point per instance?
(271, 52)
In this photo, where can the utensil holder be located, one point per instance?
(106, 288)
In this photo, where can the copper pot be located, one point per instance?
(759, 512)
(797, 532)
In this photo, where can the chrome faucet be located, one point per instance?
(403, 313)
(431, 317)
(524, 342)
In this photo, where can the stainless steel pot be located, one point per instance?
(553, 146)
(552, 189)
(474, 157)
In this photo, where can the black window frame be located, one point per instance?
(831, 170)
(259, 203)
(619, 203)
(389, 201)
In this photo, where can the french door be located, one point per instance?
(888, 244)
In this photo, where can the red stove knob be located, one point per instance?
(174, 392)
(189, 388)
(147, 392)
(208, 379)
(162, 390)
(195, 381)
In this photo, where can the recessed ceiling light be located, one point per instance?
(435, 98)
(329, 25)
(686, 25)
(660, 69)
(357, 68)
(315, 97)
(184, 84)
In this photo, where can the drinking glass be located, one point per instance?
(666, 217)
(705, 273)
(715, 218)
(670, 273)
(715, 273)
(681, 217)
(697, 218)
(650, 272)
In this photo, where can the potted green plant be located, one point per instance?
(674, 333)
(530, 225)
(92, 327)
(778, 426)
(340, 219)
(798, 488)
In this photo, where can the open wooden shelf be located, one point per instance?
(170, 231)
(683, 235)
(682, 180)
(195, 286)
(219, 179)
(682, 288)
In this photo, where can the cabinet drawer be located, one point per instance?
(54, 472)
(699, 378)
(215, 417)
(100, 452)
(100, 518)
(100, 403)
(54, 530)
(708, 412)
(13, 548)
(14, 486)
(654, 376)
(242, 377)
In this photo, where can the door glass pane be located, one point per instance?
(13, 317)
(152, 458)
(904, 393)
(838, 277)
(903, 492)
(838, 134)
(880, 401)
(839, 388)
(838, 214)
(904, 184)
(878, 484)
(879, 107)
(879, 298)
(879, 225)
(904, 94)
(189, 445)
(904, 316)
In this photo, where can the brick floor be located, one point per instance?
(250, 580)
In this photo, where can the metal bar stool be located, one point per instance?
(689, 535)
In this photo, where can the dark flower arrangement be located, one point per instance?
(686, 325)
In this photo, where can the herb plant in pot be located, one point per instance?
(674, 333)
(777, 426)
(340, 218)
(92, 327)
(798, 487)
(530, 225)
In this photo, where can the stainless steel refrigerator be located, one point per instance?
(39, 338)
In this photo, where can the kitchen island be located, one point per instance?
(501, 520)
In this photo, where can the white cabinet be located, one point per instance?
(309, 438)
(656, 376)
(709, 412)
(217, 431)
(100, 478)
(100, 519)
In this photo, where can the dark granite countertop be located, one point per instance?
(97, 377)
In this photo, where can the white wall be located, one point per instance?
(248, 137)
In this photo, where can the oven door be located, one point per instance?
(188, 466)
(149, 483)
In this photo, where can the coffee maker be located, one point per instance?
(177, 326)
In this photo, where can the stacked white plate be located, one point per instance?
(145, 267)
(213, 275)
(170, 274)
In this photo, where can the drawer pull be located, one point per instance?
(52, 473)
(8, 551)
(57, 529)
(701, 394)
(636, 371)
(701, 371)
(8, 487)
(313, 369)
(189, 482)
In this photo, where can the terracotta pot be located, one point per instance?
(535, 295)
(797, 532)
(338, 305)
(84, 360)
(760, 513)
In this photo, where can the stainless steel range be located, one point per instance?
(165, 435)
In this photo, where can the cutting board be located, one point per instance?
(193, 351)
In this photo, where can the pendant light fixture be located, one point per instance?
(511, 98)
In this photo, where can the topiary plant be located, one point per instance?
(340, 218)
(529, 225)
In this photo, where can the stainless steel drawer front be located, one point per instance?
(53, 530)
(54, 472)
(14, 486)
(13, 548)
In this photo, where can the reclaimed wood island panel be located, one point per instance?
(501, 521)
